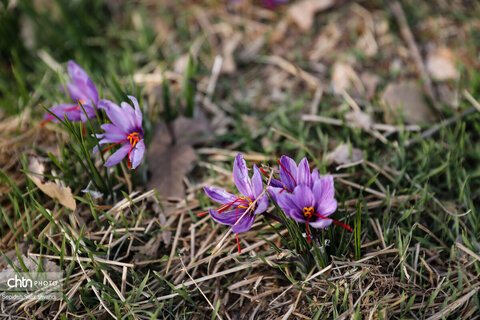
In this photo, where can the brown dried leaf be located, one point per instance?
(407, 97)
(343, 77)
(150, 249)
(169, 160)
(360, 118)
(341, 155)
(53, 189)
(181, 63)
(303, 12)
(229, 46)
(370, 82)
(441, 64)
(326, 42)
(31, 264)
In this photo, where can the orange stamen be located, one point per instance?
(224, 207)
(244, 200)
(132, 138)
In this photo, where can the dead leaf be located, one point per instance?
(150, 249)
(360, 119)
(407, 97)
(343, 77)
(303, 12)
(166, 235)
(53, 189)
(229, 46)
(448, 95)
(326, 42)
(31, 264)
(170, 159)
(341, 155)
(12, 255)
(441, 64)
(370, 82)
(181, 63)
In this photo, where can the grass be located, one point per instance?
(137, 254)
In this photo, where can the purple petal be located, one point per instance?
(297, 215)
(136, 155)
(320, 223)
(274, 192)
(275, 183)
(303, 197)
(114, 132)
(227, 217)
(324, 193)
(303, 175)
(118, 155)
(219, 195)
(240, 177)
(138, 111)
(245, 224)
(315, 177)
(82, 87)
(257, 181)
(116, 115)
(129, 115)
(327, 207)
(60, 110)
(286, 202)
(262, 205)
(89, 111)
(288, 172)
(323, 188)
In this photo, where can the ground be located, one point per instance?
(381, 95)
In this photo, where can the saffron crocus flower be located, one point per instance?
(82, 91)
(292, 175)
(270, 4)
(239, 211)
(306, 197)
(126, 129)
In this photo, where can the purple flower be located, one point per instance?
(292, 175)
(252, 201)
(126, 128)
(270, 4)
(304, 196)
(82, 91)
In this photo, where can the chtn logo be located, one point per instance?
(19, 282)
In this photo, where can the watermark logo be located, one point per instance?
(30, 285)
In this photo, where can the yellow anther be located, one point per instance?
(247, 199)
(308, 212)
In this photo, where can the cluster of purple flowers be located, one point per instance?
(303, 195)
(125, 128)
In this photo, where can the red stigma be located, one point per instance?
(308, 231)
(338, 223)
(238, 244)
(291, 176)
(133, 139)
(263, 171)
